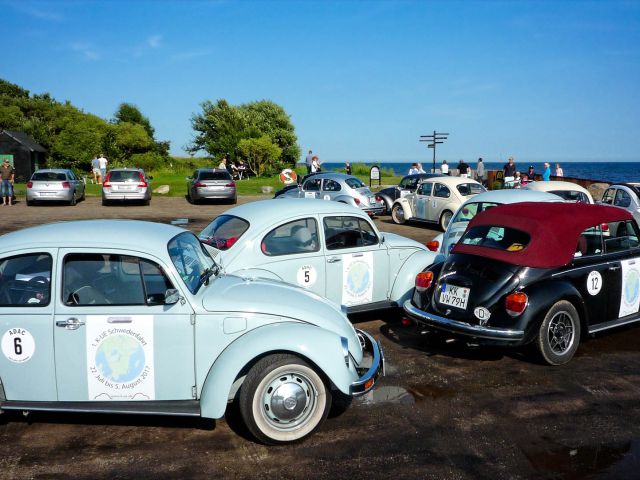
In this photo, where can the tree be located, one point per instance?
(129, 113)
(220, 128)
(269, 118)
(260, 154)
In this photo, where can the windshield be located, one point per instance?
(204, 176)
(191, 260)
(470, 210)
(500, 238)
(224, 231)
(354, 182)
(48, 176)
(467, 189)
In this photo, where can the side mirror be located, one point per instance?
(171, 296)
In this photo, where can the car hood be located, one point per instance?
(235, 293)
(398, 241)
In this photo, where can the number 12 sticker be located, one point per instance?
(594, 283)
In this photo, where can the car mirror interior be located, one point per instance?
(171, 296)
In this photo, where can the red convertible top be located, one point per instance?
(554, 229)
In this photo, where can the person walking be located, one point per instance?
(102, 164)
(308, 161)
(444, 168)
(546, 175)
(7, 173)
(559, 171)
(480, 171)
(95, 169)
(463, 169)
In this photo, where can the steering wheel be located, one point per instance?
(40, 280)
(88, 295)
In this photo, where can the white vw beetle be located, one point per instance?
(435, 200)
(329, 248)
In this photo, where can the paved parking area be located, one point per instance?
(444, 410)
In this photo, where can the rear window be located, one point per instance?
(467, 189)
(48, 177)
(354, 182)
(571, 195)
(121, 176)
(470, 210)
(224, 231)
(214, 176)
(500, 238)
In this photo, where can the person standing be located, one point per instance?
(463, 169)
(420, 169)
(102, 164)
(531, 174)
(7, 173)
(347, 168)
(546, 175)
(315, 165)
(309, 161)
(444, 168)
(559, 171)
(95, 169)
(510, 168)
(223, 164)
(480, 171)
(414, 169)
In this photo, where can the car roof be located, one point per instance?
(554, 229)
(424, 175)
(452, 181)
(265, 213)
(334, 175)
(555, 185)
(514, 195)
(127, 234)
(125, 169)
(53, 170)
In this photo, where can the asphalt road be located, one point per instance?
(446, 409)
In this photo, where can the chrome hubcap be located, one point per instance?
(399, 214)
(560, 333)
(288, 401)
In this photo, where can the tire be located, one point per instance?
(445, 218)
(397, 214)
(559, 334)
(234, 200)
(30, 203)
(105, 202)
(73, 200)
(306, 403)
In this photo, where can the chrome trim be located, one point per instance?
(463, 328)
(345, 350)
(376, 369)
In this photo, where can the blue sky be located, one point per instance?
(555, 81)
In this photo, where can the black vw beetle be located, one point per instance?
(545, 273)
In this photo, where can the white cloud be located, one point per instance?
(39, 13)
(85, 49)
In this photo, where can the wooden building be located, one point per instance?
(27, 155)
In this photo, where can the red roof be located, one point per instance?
(554, 229)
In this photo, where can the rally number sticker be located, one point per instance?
(307, 276)
(594, 283)
(18, 345)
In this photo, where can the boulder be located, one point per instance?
(267, 189)
(597, 190)
(162, 189)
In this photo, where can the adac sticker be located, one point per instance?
(307, 276)
(18, 345)
(594, 283)
(327, 197)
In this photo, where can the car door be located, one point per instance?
(357, 261)
(623, 200)
(114, 337)
(420, 204)
(330, 189)
(78, 185)
(292, 252)
(439, 199)
(311, 188)
(26, 315)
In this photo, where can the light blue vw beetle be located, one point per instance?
(329, 248)
(121, 316)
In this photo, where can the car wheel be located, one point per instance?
(397, 214)
(559, 334)
(234, 200)
(30, 203)
(105, 202)
(73, 200)
(445, 218)
(283, 399)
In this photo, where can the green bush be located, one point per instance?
(147, 161)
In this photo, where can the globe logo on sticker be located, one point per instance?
(358, 279)
(631, 290)
(120, 358)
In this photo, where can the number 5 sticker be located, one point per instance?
(307, 276)
(594, 283)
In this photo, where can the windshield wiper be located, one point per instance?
(207, 273)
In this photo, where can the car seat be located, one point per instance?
(302, 238)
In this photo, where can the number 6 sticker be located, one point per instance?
(306, 276)
(594, 283)
(18, 345)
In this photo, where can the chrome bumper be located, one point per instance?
(462, 328)
(370, 378)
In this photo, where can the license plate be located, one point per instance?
(216, 187)
(454, 296)
(124, 188)
(372, 199)
(48, 194)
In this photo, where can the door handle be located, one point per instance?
(333, 259)
(70, 323)
(614, 267)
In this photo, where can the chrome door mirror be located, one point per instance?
(171, 296)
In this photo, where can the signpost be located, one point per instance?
(374, 174)
(434, 139)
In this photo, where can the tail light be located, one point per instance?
(423, 281)
(199, 185)
(515, 303)
(106, 183)
(29, 184)
(357, 200)
(66, 185)
(378, 198)
(143, 182)
(230, 184)
(230, 241)
(433, 245)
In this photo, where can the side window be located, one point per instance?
(99, 279)
(589, 242)
(608, 196)
(622, 236)
(408, 183)
(441, 191)
(348, 232)
(25, 280)
(330, 185)
(312, 185)
(425, 188)
(155, 282)
(623, 199)
(300, 236)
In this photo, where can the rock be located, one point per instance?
(597, 190)
(162, 189)
(267, 189)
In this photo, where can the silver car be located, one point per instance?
(59, 185)
(126, 184)
(338, 187)
(211, 184)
